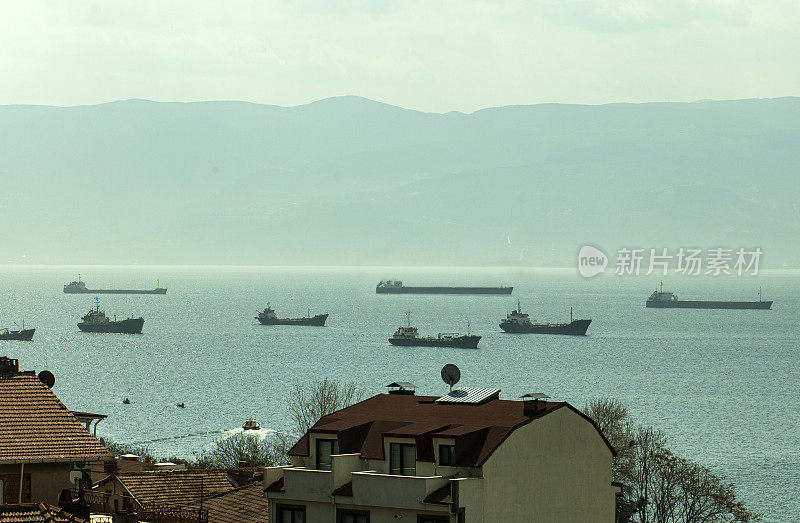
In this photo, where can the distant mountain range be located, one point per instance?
(350, 181)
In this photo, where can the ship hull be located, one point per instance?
(128, 326)
(678, 304)
(574, 328)
(115, 291)
(316, 321)
(21, 335)
(462, 342)
(444, 290)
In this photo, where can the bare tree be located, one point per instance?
(658, 486)
(229, 451)
(320, 398)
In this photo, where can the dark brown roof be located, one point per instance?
(344, 490)
(276, 486)
(36, 426)
(35, 513)
(440, 496)
(173, 487)
(242, 505)
(478, 429)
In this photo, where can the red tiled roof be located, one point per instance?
(242, 505)
(173, 487)
(478, 429)
(36, 426)
(35, 513)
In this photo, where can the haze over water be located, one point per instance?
(722, 385)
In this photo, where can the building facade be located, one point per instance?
(465, 457)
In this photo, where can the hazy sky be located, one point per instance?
(422, 54)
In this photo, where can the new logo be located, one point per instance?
(591, 261)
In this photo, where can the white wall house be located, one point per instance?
(465, 457)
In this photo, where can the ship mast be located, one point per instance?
(570, 314)
(408, 315)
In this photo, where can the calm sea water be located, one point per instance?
(723, 385)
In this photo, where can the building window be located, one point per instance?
(432, 519)
(403, 459)
(326, 447)
(291, 514)
(447, 455)
(353, 516)
(2, 493)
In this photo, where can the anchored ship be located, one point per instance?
(518, 322)
(408, 337)
(97, 321)
(667, 300)
(268, 317)
(22, 334)
(79, 287)
(397, 287)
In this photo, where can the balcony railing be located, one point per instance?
(155, 513)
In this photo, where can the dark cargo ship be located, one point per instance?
(268, 317)
(78, 287)
(408, 337)
(97, 321)
(667, 300)
(22, 334)
(518, 322)
(397, 287)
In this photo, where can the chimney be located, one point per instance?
(401, 387)
(8, 367)
(531, 404)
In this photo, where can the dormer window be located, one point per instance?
(325, 448)
(447, 455)
(403, 459)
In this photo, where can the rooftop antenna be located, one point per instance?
(450, 375)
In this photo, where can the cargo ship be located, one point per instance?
(268, 317)
(408, 337)
(79, 287)
(667, 300)
(519, 322)
(97, 321)
(397, 287)
(22, 334)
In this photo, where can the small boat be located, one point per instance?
(126, 401)
(251, 424)
(181, 405)
(22, 334)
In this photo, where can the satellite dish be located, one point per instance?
(451, 374)
(47, 378)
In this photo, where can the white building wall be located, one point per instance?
(556, 468)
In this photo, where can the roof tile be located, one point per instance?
(36, 426)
